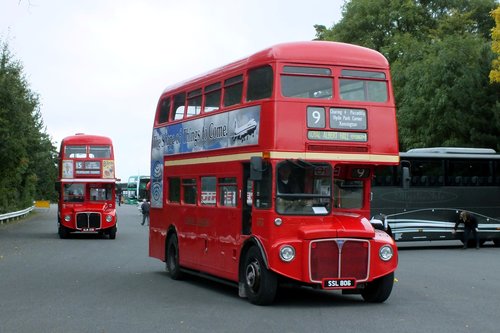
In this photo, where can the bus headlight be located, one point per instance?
(67, 218)
(287, 253)
(278, 221)
(109, 218)
(385, 253)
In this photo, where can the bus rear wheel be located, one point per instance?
(379, 289)
(172, 262)
(260, 283)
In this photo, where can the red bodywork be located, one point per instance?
(341, 244)
(86, 185)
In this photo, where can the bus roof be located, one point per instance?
(452, 152)
(309, 52)
(86, 139)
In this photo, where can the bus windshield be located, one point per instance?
(306, 189)
(100, 193)
(73, 192)
(303, 188)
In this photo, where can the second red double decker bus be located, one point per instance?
(261, 170)
(86, 186)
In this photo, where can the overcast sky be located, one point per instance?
(99, 66)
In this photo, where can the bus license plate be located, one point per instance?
(88, 229)
(339, 283)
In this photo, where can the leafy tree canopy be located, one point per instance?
(28, 167)
(495, 47)
(440, 59)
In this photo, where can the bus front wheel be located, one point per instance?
(379, 289)
(63, 232)
(112, 233)
(172, 262)
(260, 283)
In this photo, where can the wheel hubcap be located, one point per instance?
(253, 275)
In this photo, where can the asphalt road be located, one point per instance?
(91, 284)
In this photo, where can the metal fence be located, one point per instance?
(4, 218)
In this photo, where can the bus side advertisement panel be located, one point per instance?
(224, 130)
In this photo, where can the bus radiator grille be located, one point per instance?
(339, 258)
(88, 220)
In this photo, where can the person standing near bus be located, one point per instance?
(145, 211)
(470, 226)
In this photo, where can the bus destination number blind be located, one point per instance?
(346, 122)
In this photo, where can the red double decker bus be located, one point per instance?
(86, 186)
(261, 170)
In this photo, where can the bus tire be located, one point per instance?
(172, 258)
(63, 232)
(379, 289)
(112, 233)
(260, 283)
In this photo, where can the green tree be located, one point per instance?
(495, 47)
(444, 98)
(28, 163)
(440, 58)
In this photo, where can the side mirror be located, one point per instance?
(255, 168)
(379, 222)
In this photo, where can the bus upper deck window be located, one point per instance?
(164, 110)
(306, 82)
(100, 151)
(194, 103)
(363, 86)
(233, 90)
(179, 105)
(260, 83)
(75, 151)
(212, 97)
